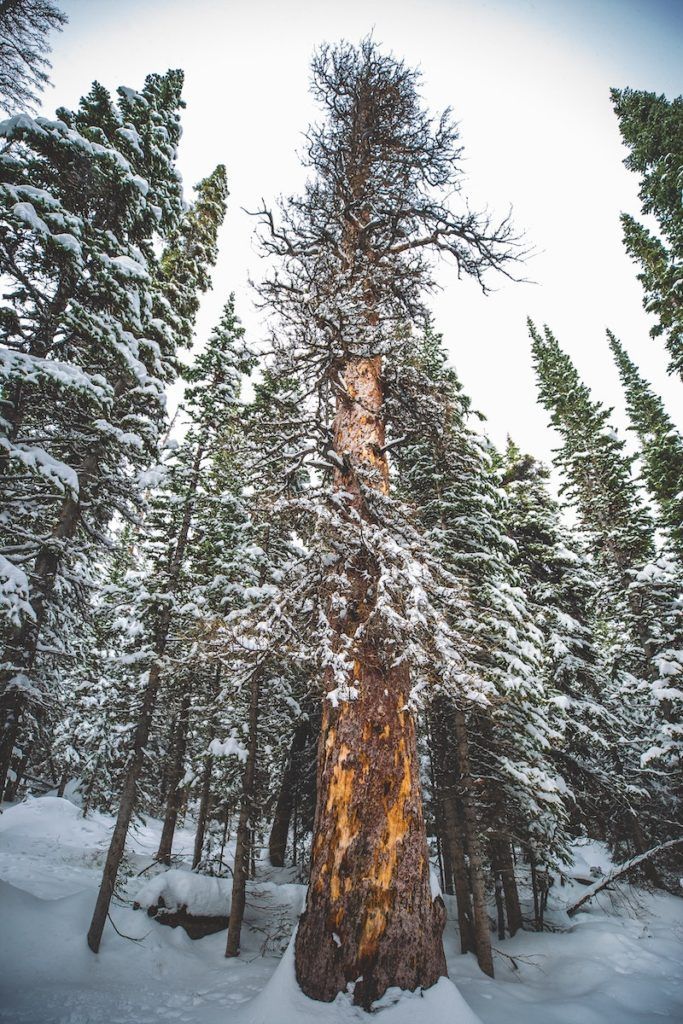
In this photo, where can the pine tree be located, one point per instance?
(212, 399)
(652, 128)
(355, 251)
(86, 198)
(640, 590)
(563, 592)
(492, 730)
(24, 49)
(661, 444)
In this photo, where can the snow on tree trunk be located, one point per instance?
(370, 918)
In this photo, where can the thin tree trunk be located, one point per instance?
(205, 798)
(142, 729)
(241, 864)
(370, 917)
(482, 933)
(126, 808)
(534, 889)
(502, 859)
(174, 795)
(277, 842)
(461, 879)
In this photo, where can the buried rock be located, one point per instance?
(198, 903)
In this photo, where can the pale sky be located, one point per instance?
(529, 85)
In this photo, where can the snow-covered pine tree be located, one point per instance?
(212, 400)
(560, 582)
(661, 444)
(652, 129)
(354, 261)
(640, 590)
(24, 48)
(493, 733)
(86, 199)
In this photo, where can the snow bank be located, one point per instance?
(283, 1002)
(200, 895)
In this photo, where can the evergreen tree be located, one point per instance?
(86, 199)
(652, 129)
(24, 48)
(660, 442)
(354, 252)
(640, 590)
(560, 581)
(212, 400)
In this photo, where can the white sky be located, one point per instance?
(529, 85)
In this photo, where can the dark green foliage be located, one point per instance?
(652, 128)
(660, 442)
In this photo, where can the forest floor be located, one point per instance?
(620, 962)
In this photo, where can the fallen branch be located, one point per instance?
(618, 871)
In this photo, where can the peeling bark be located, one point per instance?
(370, 919)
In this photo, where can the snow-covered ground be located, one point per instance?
(620, 962)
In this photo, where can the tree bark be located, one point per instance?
(174, 795)
(205, 798)
(277, 842)
(126, 808)
(504, 867)
(482, 933)
(242, 844)
(370, 918)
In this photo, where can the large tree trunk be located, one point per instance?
(370, 918)
(277, 842)
(174, 794)
(243, 844)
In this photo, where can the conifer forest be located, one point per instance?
(320, 700)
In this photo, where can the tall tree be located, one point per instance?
(87, 200)
(660, 441)
(652, 129)
(640, 589)
(25, 26)
(355, 258)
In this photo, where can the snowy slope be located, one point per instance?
(618, 964)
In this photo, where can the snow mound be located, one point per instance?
(200, 895)
(590, 859)
(282, 1001)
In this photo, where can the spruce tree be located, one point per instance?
(87, 199)
(24, 48)
(640, 589)
(212, 399)
(660, 442)
(652, 129)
